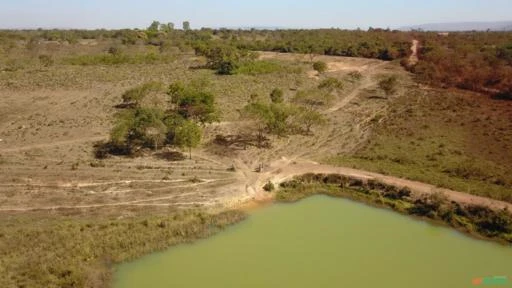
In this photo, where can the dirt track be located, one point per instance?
(287, 158)
(413, 59)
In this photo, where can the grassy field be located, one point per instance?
(455, 140)
(80, 249)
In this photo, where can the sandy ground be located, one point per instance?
(43, 167)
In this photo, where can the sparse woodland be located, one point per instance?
(478, 61)
(221, 94)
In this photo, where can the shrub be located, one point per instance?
(320, 66)
(276, 95)
(135, 95)
(331, 84)
(46, 60)
(269, 187)
(355, 75)
(389, 85)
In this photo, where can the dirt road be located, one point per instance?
(286, 169)
(413, 59)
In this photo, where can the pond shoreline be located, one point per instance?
(477, 221)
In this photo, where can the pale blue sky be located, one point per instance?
(238, 13)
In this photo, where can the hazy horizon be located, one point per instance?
(116, 14)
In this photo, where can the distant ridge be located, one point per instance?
(463, 26)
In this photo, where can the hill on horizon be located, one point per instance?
(463, 26)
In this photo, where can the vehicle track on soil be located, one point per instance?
(248, 183)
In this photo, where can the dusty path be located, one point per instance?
(413, 59)
(53, 144)
(286, 169)
(366, 83)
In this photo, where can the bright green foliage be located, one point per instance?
(150, 126)
(188, 135)
(192, 103)
(320, 67)
(331, 84)
(223, 58)
(276, 95)
(274, 117)
(143, 126)
(122, 129)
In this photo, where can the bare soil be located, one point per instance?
(47, 162)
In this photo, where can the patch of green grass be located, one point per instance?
(266, 67)
(111, 59)
(45, 250)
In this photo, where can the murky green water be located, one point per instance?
(323, 242)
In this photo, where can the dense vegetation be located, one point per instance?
(479, 61)
(148, 118)
(45, 250)
(473, 219)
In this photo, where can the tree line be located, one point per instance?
(478, 61)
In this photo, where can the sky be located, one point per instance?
(114, 14)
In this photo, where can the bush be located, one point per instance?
(389, 85)
(269, 187)
(276, 95)
(320, 66)
(355, 75)
(227, 68)
(331, 84)
(135, 95)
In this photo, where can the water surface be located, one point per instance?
(323, 242)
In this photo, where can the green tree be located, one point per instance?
(134, 96)
(276, 95)
(124, 121)
(154, 26)
(188, 135)
(186, 25)
(192, 103)
(260, 114)
(308, 118)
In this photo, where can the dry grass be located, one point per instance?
(453, 140)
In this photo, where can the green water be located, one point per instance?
(323, 242)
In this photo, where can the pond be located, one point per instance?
(323, 242)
